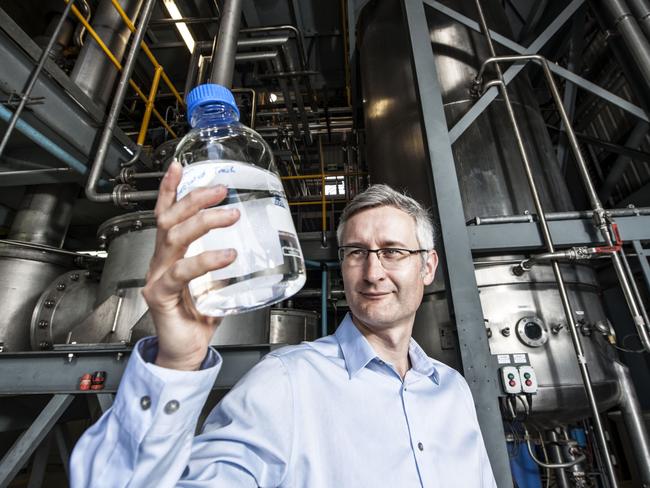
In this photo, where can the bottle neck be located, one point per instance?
(213, 114)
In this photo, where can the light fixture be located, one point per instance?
(175, 14)
(273, 98)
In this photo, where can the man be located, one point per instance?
(364, 407)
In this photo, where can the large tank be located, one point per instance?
(492, 182)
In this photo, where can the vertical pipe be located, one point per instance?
(33, 77)
(577, 344)
(44, 214)
(225, 48)
(634, 39)
(634, 423)
(561, 477)
(118, 100)
(93, 72)
(641, 9)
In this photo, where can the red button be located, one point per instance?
(513, 382)
(528, 382)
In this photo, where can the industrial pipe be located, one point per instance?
(44, 142)
(580, 356)
(554, 216)
(31, 82)
(641, 9)
(92, 72)
(225, 46)
(635, 40)
(121, 194)
(634, 423)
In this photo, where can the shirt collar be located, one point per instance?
(357, 351)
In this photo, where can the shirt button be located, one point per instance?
(420, 446)
(145, 402)
(172, 406)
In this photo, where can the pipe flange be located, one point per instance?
(60, 306)
(119, 196)
(532, 331)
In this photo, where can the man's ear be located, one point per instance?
(429, 267)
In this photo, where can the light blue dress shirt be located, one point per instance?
(323, 414)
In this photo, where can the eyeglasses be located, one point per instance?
(389, 257)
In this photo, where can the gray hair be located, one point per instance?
(384, 196)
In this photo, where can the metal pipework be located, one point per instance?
(121, 194)
(24, 97)
(225, 46)
(561, 465)
(44, 214)
(632, 35)
(581, 359)
(641, 9)
(561, 477)
(573, 254)
(92, 71)
(553, 216)
(634, 423)
(601, 221)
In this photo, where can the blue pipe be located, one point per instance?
(323, 296)
(525, 471)
(44, 142)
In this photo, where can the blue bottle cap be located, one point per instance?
(209, 93)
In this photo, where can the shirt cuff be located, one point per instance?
(157, 401)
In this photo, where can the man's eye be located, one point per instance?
(357, 253)
(392, 253)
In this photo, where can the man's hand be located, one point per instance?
(183, 334)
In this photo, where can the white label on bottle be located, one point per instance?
(256, 235)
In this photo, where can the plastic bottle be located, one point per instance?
(220, 150)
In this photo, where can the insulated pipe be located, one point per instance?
(225, 47)
(580, 356)
(641, 9)
(634, 423)
(637, 43)
(120, 195)
(33, 77)
(93, 72)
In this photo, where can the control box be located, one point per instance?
(511, 380)
(518, 379)
(528, 379)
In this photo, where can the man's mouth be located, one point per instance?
(374, 295)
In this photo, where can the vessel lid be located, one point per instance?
(209, 93)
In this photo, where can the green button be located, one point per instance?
(527, 375)
(511, 376)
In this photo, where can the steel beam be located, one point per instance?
(27, 443)
(525, 236)
(516, 68)
(59, 371)
(66, 115)
(475, 352)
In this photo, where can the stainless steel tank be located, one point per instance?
(492, 182)
(24, 273)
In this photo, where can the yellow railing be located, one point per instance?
(159, 73)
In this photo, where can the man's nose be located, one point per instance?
(373, 269)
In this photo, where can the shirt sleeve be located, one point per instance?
(147, 437)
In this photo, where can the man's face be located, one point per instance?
(381, 299)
